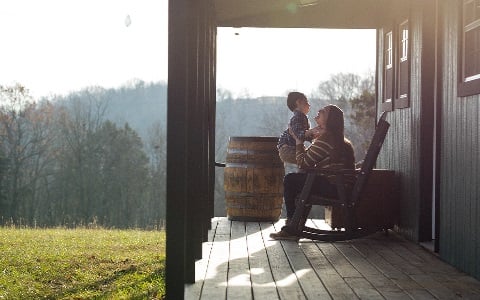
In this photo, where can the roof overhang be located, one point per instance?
(359, 14)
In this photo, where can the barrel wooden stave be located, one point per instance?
(253, 179)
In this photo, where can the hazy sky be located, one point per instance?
(271, 61)
(57, 46)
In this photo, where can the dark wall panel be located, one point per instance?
(460, 160)
(402, 148)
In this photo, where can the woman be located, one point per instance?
(331, 150)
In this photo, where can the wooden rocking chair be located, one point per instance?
(348, 199)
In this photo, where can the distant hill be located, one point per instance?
(139, 104)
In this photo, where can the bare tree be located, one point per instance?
(275, 117)
(157, 152)
(27, 135)
(84, 115)
(355, 96)
(340, 85)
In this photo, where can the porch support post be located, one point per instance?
(177, 143)
(427, 102)
(190, 134)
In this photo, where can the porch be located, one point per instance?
(240, 261)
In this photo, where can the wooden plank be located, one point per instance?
(396, 260)
(413, 289)
(363, 288)
(334, 283)
(334, 275)
(311, 284)
(378, 261)
(428, 263)
(356, 259)
(431, 262)
(387, 287)
(437, 289)
(285, 279)
(382, 284)
(393, 267)
(193, 291)
(338, 261)
(239, 285)
(215, 286)
(263, 285)
(462, 286)
(418, 257)
(385, 282)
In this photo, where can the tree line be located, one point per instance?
(98, 156)
(64, 163)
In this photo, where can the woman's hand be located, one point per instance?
(315, 132)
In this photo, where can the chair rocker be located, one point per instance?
(347, 199)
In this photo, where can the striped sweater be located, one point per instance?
(317, 156)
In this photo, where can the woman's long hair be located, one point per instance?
(335, 129)
(335, 123)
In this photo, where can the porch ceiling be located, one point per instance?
(302, 13)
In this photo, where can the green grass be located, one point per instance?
(81, 264)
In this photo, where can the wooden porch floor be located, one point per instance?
(240, 261)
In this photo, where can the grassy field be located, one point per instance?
(81, 264)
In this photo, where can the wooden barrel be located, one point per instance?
(253, 179)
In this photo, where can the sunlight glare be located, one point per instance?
(293, 278)
(257, 271)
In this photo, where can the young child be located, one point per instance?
(297, 102)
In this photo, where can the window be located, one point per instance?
(396, 73)
(469, 64)
(388, 72)
(404, 41)
(389, 50)
(403, 73)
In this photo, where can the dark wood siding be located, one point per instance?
(409, 146)
(460, 159)
(401, 151)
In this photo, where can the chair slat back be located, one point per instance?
(370, 158)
